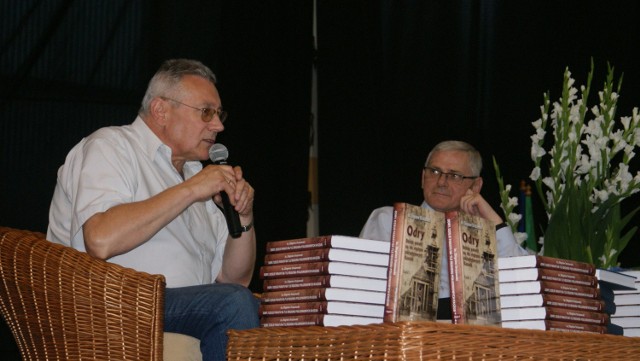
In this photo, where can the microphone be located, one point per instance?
(218, 154)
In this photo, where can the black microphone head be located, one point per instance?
(218, 153)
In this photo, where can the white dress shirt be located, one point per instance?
(125, 164)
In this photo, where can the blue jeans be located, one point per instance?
(206, 312)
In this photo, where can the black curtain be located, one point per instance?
(394, 78)
(69, 67)
(397, 77)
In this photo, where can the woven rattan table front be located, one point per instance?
(425, 341)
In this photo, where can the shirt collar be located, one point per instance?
(154, 147)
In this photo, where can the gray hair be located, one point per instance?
(475, 159)
(169, 76)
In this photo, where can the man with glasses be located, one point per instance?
(450, 181)
(138, 195)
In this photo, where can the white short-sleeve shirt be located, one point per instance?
(125, 164)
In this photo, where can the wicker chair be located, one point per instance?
(62, 304)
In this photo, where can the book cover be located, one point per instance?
(322, 268)
(533, 260)
(626, 299)
(631, 332)
(633, 273)
(554, 313)
(551, 325)
(547, 274)
(336, 281)
(626, 322)
(615, 280)
(473, 271)
(317, 320)
(330, 241)
(417, 236)
(323, 294)
(542, 299)
(557, 288)
(328, 307)
(626, 310)
(328, 254)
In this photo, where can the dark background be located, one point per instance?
(394, 78)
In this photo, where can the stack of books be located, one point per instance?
(546, 293)
(627, 302)
(326, 281)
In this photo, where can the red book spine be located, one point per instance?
(566, 265)
(310, 255)
(292, 308)
(396, 256)
(296, 269)
(569, 315)
(455, 267)
(292, 320)
(298, 244)
(575, 327)
(579, 303)
(556, 275)
(297, 295)
(558, 288)
(289, 283)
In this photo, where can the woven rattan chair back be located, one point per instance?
(62, 304)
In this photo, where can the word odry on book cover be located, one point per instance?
(473, 269)
(417, 237)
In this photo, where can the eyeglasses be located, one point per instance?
(206, 113)
(435, 173)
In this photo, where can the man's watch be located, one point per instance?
(247, 227)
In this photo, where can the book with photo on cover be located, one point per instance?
(473, 270)
(417, 236)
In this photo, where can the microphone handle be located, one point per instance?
(232, 216)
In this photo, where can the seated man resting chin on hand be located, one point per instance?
(450, 181)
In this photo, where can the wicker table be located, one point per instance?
(425, 341)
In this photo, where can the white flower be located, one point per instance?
(537, 124)
(521, 237)
(584, 165)
(535, 174)
(628, 151)
(514, 218)
(537, 151)
(602, 259)
(593, 127)
(625, 122)
(601, 195)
